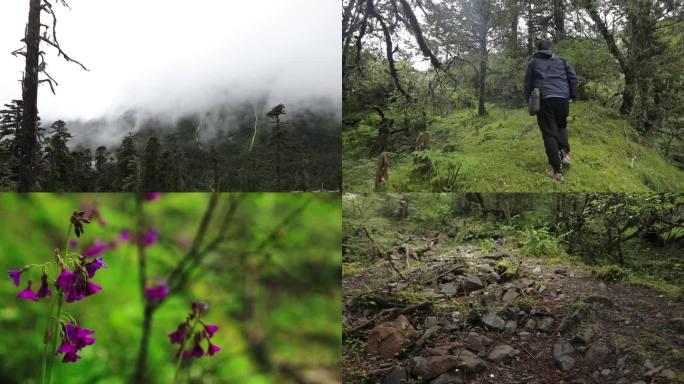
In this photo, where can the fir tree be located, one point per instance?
(128, 178)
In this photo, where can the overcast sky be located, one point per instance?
(176, 56)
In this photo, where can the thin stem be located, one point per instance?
(55, 330)
(179, 361)
(52, 328)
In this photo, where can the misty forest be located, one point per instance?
(433, 96)
(507, 288)
(243, 146)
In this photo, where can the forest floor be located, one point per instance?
(460, 314)
(504, 152)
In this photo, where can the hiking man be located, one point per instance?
(557, 82)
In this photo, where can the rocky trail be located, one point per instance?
(461, 315)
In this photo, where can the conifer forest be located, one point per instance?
(227, 127)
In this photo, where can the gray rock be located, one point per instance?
(606, 372)
(493, 278)
(475, 343)
(511, 326)
(447, 378)
(511, 295)
(560, 271)
(545, 324)
(584, 336)
(530, 325)
(595, 299)
(571, 321)
(561, 356)
(397, 375)
(430, 367)
(501, 352)
(598, 354)
(537, 270)
(488, 299)
(472, 283)
(485, 268)
(470, 363)
(525, 336)
(491, 320)
(449, 289)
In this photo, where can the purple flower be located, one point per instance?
(79, 337)
(96, 249)
(211, 329)
(70, 357)
(151, 196)
(73, 294)
(91, 288)
(44, 289)
(150, 237)
(93, 266)
(212, 349)
(73, 243)
(66, 279)
(157, 292)
(74, 338)
(125, 235)
(190, 331)
(197, 350)
(177, 336)
(65, 347)
(15, 274)
(27, 293)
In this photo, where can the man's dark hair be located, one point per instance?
(543, 45)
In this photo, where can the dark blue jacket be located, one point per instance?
(560, 81)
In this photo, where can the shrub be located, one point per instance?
(540, 243)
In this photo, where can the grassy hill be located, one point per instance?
(504, 152)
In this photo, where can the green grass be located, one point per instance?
(504, 152)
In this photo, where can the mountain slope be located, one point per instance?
(504, 152)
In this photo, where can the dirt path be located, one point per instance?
(497, 318)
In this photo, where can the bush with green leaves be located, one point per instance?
(439, 168)
(539, 242)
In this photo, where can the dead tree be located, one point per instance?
(35, 64)
(278, 137)
(382, 174)
(384, 131)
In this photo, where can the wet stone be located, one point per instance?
(511, 326)
(493, 321)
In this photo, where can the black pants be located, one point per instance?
(552, 120)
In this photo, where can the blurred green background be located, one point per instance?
(295, 325)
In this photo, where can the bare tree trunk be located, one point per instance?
(515, 14)
(625, 65)
(484, 28)
(558, 19)
(530, 29)
(29, 136)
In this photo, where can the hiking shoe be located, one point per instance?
(565, 159)
(555, 175)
